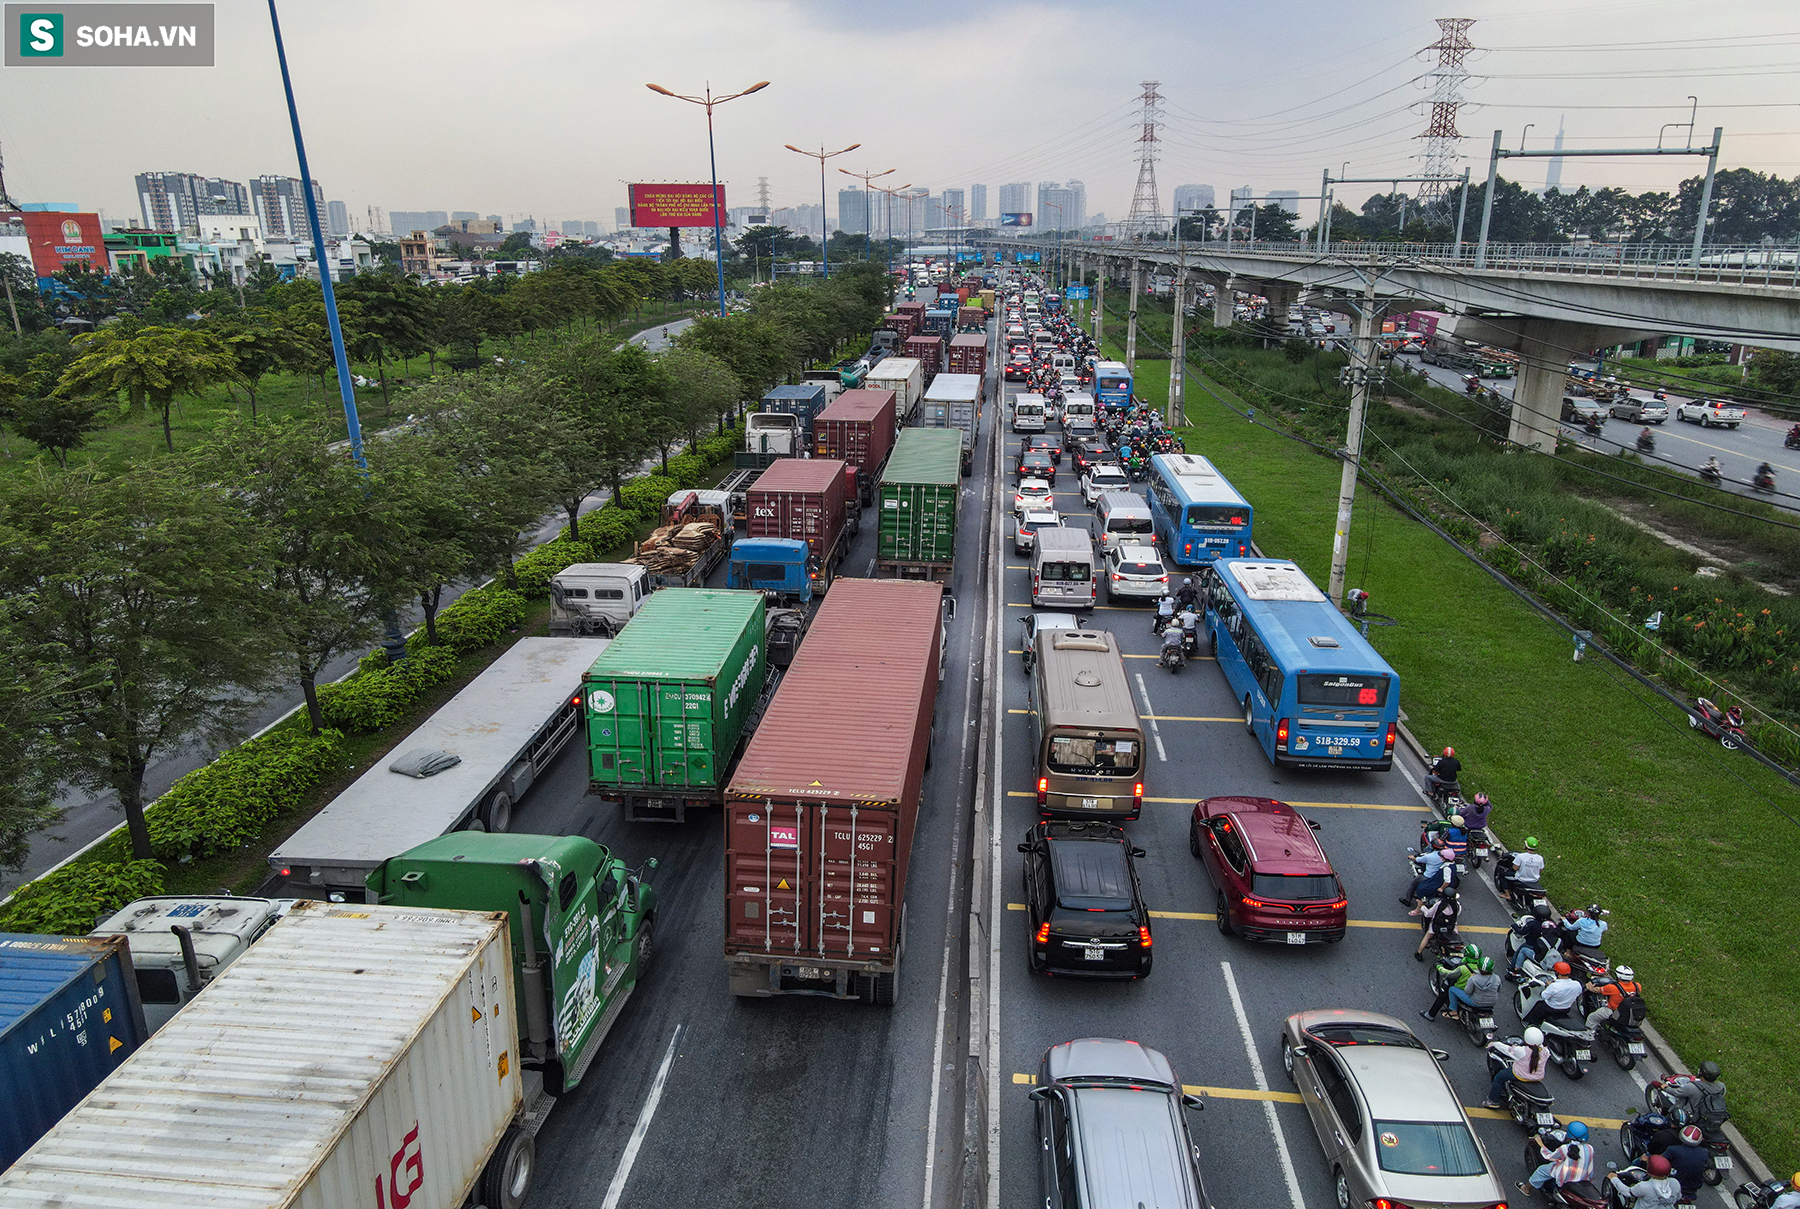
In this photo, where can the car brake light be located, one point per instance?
(1281, 734)
(1043, 792)
(1382, 1202)
(1117, 577)
(1137, 796)
(1162, 579)
(1143, 936)
(1390, 738)
(1043, 933)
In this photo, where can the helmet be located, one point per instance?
(1692, 1135)
(1481, 799)
(1531, 843)
(1796, 1181)
(1658, 1167)
(1578, 1130)
(1534, 1036)
(1472, 954)
(1456, 820)
(1486, 966)
(1562, 968)
(1438, 841)
(1187, 583)
(1624, 974)
(1709, 1070)
(1541, 909)
(1450, 751)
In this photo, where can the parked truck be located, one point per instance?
(597, 598)
(819, 817)
(940, 320)
(859, 430)
(668, 704)
(69, 1016)
(916, 506)
(808, 499)
(914, 307)
(778, 567)
(416, 1043)
(905, 376)
(180, 943)
(967, 354)
(928, 351)
(693, 539)
(464, 766)
(954, 401)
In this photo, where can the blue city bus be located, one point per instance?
(1198, 514)
(1314, 693)
(1112, 384)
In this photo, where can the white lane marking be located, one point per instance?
(617, 1188)
(1262, 1084)
(995, 911)
(1150, 713)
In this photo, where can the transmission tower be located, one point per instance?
(6, 201)
(1440, 136)
(1145, 208)
(762, 194)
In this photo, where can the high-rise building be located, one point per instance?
(571, 228)
(528, 225)
(801, 220)
(463, 215)
(1289, 199)
(281, 206)
(1055, 206)
(1189, 198)
(1078, 205)
(621, 218)
(956, 209)
(173, 201)
(977, 201)
(337, 218)
(1015, 198)
(405, 222)
(853, 211)
(590, 229)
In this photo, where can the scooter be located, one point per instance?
(1572, 1048)
(1479, 847)
(1521, 896)
(1760, 1194)
(1531, 1108)
(1579, 1194)
(1477, 1023)
(1623, 1038)
(1446, 796)
(1172, 657)
(1657, 1099)
(1792, 440)
(1633, 1174)
(1711, 477)
(1727, 726)
(1190, 643)
(1764, 483)
(1646, 443)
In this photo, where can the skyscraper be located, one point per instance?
(337, 218)
(621, 218)
(1055, 206)
(977, 201)
(1015, 198)
(956, 210)
(462, 215)
(1078, 204)
(1289, 199)
(172, 201)
(853, 212)
(281, 206)
(1189, 198)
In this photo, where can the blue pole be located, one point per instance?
(346, 388)
(718, 226)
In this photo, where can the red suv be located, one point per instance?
(1271, 879)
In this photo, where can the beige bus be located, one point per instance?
(1085, 729)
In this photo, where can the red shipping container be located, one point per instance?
(967, 354)
(929, 350)
(857, 428)
(916, 312)
(820, 814)
(802, 498)
(894, 321)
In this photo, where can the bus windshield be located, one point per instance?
(1085, 756)
(1337, 689)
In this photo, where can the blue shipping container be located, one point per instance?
(806, 400)
(69, 1016)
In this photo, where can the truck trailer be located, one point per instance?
(905, 376)
(808, 499)
(954, 401)
(858, 429)
(916, 506)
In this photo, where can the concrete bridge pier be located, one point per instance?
(1281, 296)
(1544, 346)
(1131, 320)
(1223, 297)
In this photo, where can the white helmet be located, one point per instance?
(1534, 1036)
(1624, 974)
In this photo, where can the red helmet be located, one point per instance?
(1562, 968)
(1692, 1135)
(1450, 751)
(1658, 1167)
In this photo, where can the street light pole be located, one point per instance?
(824, 226)
(707, 100)
(865, 178)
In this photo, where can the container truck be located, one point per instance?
(693, 539)
(464, 766)
(69, 1016)
(831, 378)
(768, 437)
(967, 354)
(905, 376)
(415, 1043)
(667, 705)
(940, 321)
(971, 319)
(180, 943)
(819, 817)
(916, 515)
(597, 598)
(859, 430)
(915, 309)
(778, 567)
(954, 401)
(804, 402)
(929, 350)
(806, 499)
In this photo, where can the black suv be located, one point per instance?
(1087, 913)
(1035, 465)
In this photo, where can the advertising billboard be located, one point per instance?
(58, 239)
(1015, 220)
(675, 205)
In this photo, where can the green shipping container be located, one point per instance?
(665, 703)
(918, 497)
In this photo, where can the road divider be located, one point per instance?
(1025, 793)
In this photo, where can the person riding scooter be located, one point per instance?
(1712, 472)
(1444, 774)
(1646, 442)
(1793, 437)
(1764, 479)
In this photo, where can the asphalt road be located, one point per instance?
(1249, 1136)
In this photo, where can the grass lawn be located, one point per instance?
(1682, 840)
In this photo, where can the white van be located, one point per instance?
(1028, 413)
(1063, 363)
(1123, 518)
(1077, 403)
(597, 598)
(1064, 572)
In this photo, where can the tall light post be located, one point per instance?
(865, 178)
(824, 225)
(708, 100)
(889, 216)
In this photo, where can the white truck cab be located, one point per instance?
(179, 943)
(597, 598)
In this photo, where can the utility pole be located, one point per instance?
(12, 308)
(1177, 409)
(1100, 309)
(1362, 369)
(1131, 323)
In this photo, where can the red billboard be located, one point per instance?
(676, 206)
(59, 238)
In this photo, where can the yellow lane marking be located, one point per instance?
(1208, 916)
(1191, 658)
(1183, 718)
(1025, 793)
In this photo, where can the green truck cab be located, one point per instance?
(581, 926)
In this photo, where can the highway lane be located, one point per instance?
(1189, 1007)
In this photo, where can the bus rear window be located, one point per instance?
(1337, 688)
(1093, 757)
(1065, 572)
(1217, 515)
(1114, 383)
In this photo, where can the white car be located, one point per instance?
(1709, 413)
(1025, 531)
(1033, 495)
(1135, 571)
(1101, 479)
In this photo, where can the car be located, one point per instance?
(1068, 381)
(1033, 495)
(1578, 411)
(1018, 369)
(1015, 332)
(1091, 453)
(1043, 442)
(1035, 624)
(1271, 878)
(1100, 478)
(1391, 1125)
(1025, 529)
(1639, 411)
(1134, 573)
(1111, 1131)
(1710, 413)
(1076, 429)
(1035, 466)
(1083, 903)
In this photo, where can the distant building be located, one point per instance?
(418, 254)
(1240, 197)
(280, 204)
(853, 211)
(528, 225)
(1288, 198)
(402, 221)
(1055, 206)
(978, 201)
(1077, 217)
(337, 219)
(571, 228)
(49, 207)
(801, 220)
(171, 201)
(1189, 198)
(1016, 198)
(493, 218)
(463, 215)
(621, 218)
(956, 207)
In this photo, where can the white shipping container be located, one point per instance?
(355, 1056)
(905, 376)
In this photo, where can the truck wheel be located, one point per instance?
(880, 989)
(645, 936)
(506, 1180)
(496, 812)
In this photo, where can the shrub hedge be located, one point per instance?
(72, 900)
(646, 496)
(219, 806)
(480, 618)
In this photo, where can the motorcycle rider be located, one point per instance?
(1452, 832)
(1569, 1163)
(1528, 1064)
(1444, 772)
(1660, 1190)
(1711, 469)
(1171, 642)
(1480, 990)
(1613, 992)
(1527, 866)
(1588, 928)
(1475, 812)
(1440, 916)
(1646, 441)
(1793, 434)
(1700, 1099)
(1190, 627)
(1538, 937)
(1165, 613)
(1430, 864)
(1557, 997)
(1690, 1158)
(1187, 595)
(1765, 476)
(1791, 1198)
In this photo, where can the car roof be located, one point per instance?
(1137, 554)
(1109, 467)
(1089, 866)
(1110, 1058)
(1132, 1148)
(1038, 516)
(1280, 840)
(1056, 621)
(1033, 485)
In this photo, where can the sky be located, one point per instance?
(539, 106)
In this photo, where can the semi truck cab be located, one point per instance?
(778, 567)
(179, 943)
(597, 598)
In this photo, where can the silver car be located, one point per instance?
(1035, 624)
(1134, 572)
(1390, 1123)
(1025, 531)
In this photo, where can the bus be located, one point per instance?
(1085, 731)
(1112, 384)
(1199, 516)
(1315, 694)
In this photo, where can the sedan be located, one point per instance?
(1043, 442)
(1390, 1124)
(1085, 907)
(1018, 369)
(1034, 466)
(1091, 453)
(1578, 411)
(1077, 429)
(1100, 479)
(1134, 572)
(1033, 495)
(1025, 531)
(1639, 411)
(1035, 624)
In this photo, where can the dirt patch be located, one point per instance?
(1739, 556)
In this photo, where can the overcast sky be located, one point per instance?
(539, 106)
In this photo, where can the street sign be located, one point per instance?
(1076, 293)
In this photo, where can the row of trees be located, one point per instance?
(146, 610)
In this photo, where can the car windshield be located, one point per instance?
(1427, 1148)
(1293, 887)
(1350, 1033)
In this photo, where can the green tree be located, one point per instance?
(151, 364)
(139, 584)
(32, 683)
(259, 344)
(702, 390)
(1776, 371)
(602, 407)
(516, 246)
(391, 321)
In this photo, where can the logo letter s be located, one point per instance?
(43, 35)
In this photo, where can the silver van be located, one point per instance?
(1123, 518)
(1064, 571)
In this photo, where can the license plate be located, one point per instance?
(1584, 1055)
(1090, 803)
(1546, 1118)
(1484, 1022)
(1334, 751)
(1296, 938)
(1722, 1162)
(1481, 852)
(1093, 954)
(811, 972)
(1462, 866)
(1636, 1048)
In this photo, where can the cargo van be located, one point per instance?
(1063, 363)
(1064, 573)
(1123, 518)
(1077, 403)
(1028, 413)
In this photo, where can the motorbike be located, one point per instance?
(1462, 850)
(1569, 1043)
(1717, 723)
(1765, 483)
(1623, 1038)
(1172, 657)
(1658, 1099)
(1792, 440)
(1630, 1175)
(1759, 1194)
(1190, 643)
(1520, 896)
(1592, 426)
(1711, 477)
(1646, 443)
(1479, 847)
(1580, 1194)
(1527, 1103)
(1446, 796)
(1477, 1023)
